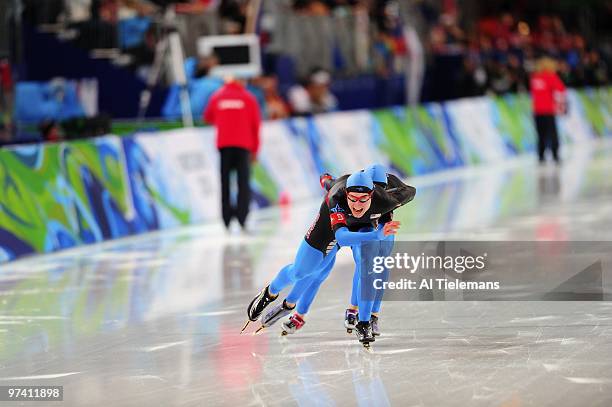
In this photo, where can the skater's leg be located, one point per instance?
(300, 286)
(377, 304)
(386, 248)
(314, 280)
(350, 314)
(304, 292)
(357, 258)
(367, 292)
(307, 260)
(308, 296)
(365, 297)
(365, 310)
(355, 288)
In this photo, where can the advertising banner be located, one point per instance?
(55, 196)
(176, 172)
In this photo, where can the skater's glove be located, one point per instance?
(324, 180)
(388, 229)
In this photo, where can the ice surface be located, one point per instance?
(154, 320)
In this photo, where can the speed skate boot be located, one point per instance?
(363, 330)
(294, 323)
(257, 305)
(350, 320)
(374, 323)
(272, 316)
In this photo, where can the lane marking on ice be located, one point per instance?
(42, 376)
(162, 346)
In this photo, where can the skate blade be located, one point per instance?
(349, 331)
(284, 333)
(367, 347)
(261, 328)
(245, 326)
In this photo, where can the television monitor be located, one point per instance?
(238, 55)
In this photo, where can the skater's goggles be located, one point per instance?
(362, 199)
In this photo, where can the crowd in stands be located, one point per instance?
(497, 56)
(344, 37)
(312, 96)
(307, 44)
(501, 52)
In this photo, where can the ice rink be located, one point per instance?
(155, 320)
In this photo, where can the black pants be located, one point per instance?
(547, 135)
(239, 160)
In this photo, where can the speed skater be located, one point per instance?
(350, 204)
(362, 253)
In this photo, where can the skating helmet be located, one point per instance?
(359, 182)
(378, 173)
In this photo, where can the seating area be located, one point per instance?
(377, 53)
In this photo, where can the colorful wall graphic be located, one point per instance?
(56, 196)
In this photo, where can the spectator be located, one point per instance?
(74, 11)
(548, 98)
(501, 82)
(235, 114)
(195, 19)
(473, 80)
(233, 15)
(595, 70)
(201, 85)
(50, 131)
(6, 96)
(519, 80)
(142, 52)
(193, 6)
(99, 31)
(314, 97)
(383, 54)
(5, 136)
(112, 11)
(275, 107)
(312, 7)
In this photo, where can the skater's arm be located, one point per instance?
(328, 181)
(387, 217)
(404, 193)
(344, 237)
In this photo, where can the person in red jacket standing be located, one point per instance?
(548, 98)
(235, 114)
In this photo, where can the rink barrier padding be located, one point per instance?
(57, 196)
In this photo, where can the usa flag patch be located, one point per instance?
(337, 218)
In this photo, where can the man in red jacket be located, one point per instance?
(235, 114)
(548, 98)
